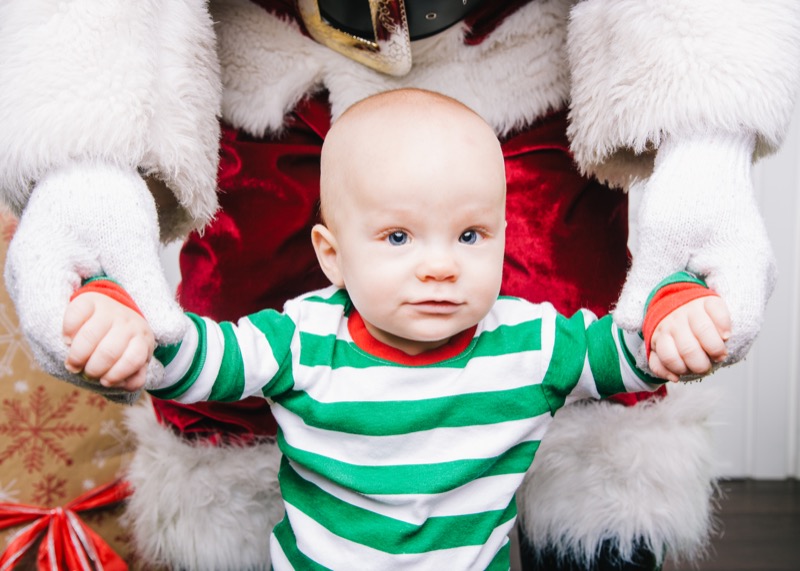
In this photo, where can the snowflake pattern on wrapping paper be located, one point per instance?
(12, 342)
(36, 431)
(50, 490)
(97, 401)
(9, 491)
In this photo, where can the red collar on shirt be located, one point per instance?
(366, 342)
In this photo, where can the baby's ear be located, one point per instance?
(327, 253)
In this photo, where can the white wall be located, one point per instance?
(757, 426)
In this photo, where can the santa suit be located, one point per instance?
(137, 95)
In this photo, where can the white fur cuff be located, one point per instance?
(197, 506)
(643, 69)
(607, 472)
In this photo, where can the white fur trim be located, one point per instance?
(267, 65)
(201, 507)
(645, 69)
(607, 472)
(514, 76)
(128, 83)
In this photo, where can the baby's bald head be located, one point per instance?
(389, 134)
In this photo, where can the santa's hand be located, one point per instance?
(698, 213)
(82, 221)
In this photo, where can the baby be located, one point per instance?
(411, 397)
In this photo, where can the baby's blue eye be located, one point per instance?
(469, 237)
(397, 238)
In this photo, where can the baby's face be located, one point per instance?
(421, 236)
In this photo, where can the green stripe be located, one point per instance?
(278, 329)
(322, 350)
(387, 418)
(166, 353)
(676, 278)
(184, 383)
(566, 364)
(631, 360)
(502, 559)
(339, 297)
(229, 384)
(412, 478)
(299, 560)
(604, 359)
(99, 278)
(385, 533)
(508, 339)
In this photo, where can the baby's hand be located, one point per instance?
(687, 340)
(108, 341)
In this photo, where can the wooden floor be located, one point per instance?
(759, 527)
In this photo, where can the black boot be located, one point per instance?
(545, 559)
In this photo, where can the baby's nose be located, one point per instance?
(438, 266)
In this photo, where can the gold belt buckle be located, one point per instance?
(389, 52)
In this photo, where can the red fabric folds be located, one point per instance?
(68, 542)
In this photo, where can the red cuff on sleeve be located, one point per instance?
(665, 301)
(111, 289)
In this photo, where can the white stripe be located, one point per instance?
(338, 553)
(478, 496)
(630, 379)
(258, 359)
(76, 528)
(384, 383)
(511, 311)
(278, 558)
(182, 361)
(549, 315)
(215, 343)
(316, 317)
(77, 545)
(320, 318)
(586, 387)
(423, 447)
(23, 549)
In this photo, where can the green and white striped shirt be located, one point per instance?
(401, 465)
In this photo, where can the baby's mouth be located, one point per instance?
(436, 306)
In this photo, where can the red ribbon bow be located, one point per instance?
(69, 543)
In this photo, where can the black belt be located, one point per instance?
(425, 17)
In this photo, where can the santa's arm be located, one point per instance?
(97, 95)
(675, 99)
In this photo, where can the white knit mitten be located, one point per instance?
(698, 212)
(81, 221)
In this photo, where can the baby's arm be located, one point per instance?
(690, 338)
(108, 341)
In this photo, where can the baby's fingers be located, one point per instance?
(659, 370)
(719, 313)
(78, 312)
(664, 349)
(135, 381)
(129, 370)
(708, 332)
(692, 353)
(106, 354)
(85, 342)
